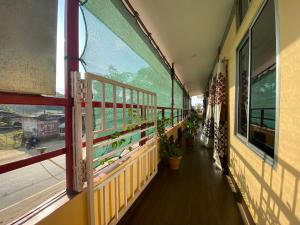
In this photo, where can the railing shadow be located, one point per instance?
(270, 207)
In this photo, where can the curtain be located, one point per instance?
(220, 118)
(207, 134)
(214, 133)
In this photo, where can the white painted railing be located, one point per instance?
(135, 169)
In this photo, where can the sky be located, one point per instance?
(197, 100)
(111, 50)
(60, 48)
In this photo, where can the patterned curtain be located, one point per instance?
(214, 132)
(220, 118)
(207, 134)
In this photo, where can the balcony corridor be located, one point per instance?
(197, 194)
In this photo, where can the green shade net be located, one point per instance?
(178, 96)
(115, 47)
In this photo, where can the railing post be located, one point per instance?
(71, 65)
(163, 113)
(262, 115)
(143, 126)
(172, 102)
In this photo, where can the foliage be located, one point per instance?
(192, 125)
(13, 138)
(168, 148)
(134, 122)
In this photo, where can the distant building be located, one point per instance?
(42, 126)
(9, 120)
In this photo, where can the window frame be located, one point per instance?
(71, 49)
(239, 48)
(240, 20)
(248, 37)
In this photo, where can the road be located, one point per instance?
(10, 154)
(25, 188)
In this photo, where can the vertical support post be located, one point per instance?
(89, 151)
(172, 103)
(125, 188)
(138, 102)
(143, 126)
(117, 197)
(144, 109)
(124, 108)
(163, 113)
(103, 107)
(105, 205)
(132, 180)
(78, 98)
(131, 101)
(143, 134)
(115, 106)
(139, 166)
(148, 108)
(71, 64)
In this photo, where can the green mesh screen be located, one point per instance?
(175, 116)
(178, 102)
(116, 48)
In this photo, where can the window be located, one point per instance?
(256, 104)
(242, 7)
(243, 59)
(33, 144)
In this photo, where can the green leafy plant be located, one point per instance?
(168, 148)
(134, 122)
(118, 143)
(192, 125)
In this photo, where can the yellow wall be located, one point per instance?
(272, 194)
(75, 211)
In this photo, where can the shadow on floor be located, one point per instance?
(196, 194)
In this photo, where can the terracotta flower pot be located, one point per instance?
(174, 162)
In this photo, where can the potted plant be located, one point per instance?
(168, 148)
(174, 155)
(192, 126)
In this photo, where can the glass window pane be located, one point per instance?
(24, 189)
(243, 88)
(263, 81)
(27, 130)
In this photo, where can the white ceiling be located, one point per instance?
(189, 33)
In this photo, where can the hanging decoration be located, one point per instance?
(214, 133)
(207, 134)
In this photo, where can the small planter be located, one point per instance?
(174, 162)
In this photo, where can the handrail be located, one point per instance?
(262, 115)
(146, 108)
